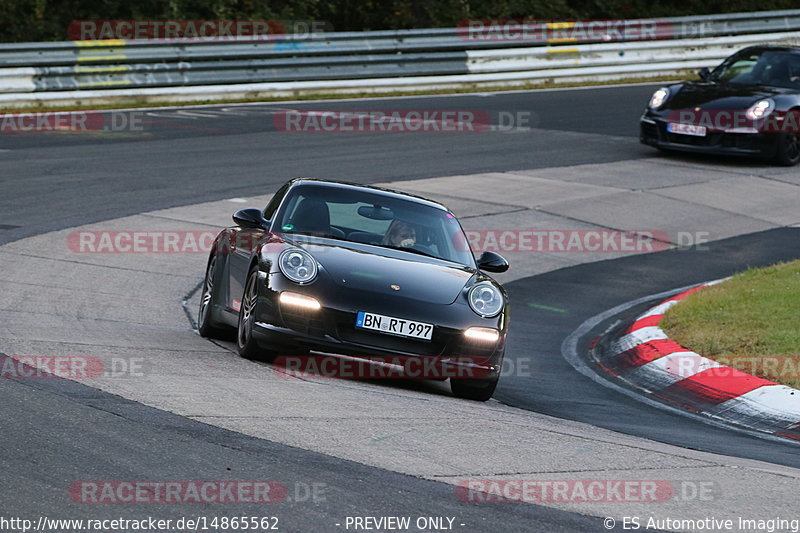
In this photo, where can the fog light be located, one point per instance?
(299, 300)
(482, 334)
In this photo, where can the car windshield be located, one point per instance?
(772, 68)
(373, 218)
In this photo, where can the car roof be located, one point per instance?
(774, 48)
(369, 188)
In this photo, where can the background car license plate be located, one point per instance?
(686, 129)
(394, 326)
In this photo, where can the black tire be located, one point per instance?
(788, 150)
(246, 344)
(479, 390)
(206, 325)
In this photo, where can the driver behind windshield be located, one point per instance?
(401, 234)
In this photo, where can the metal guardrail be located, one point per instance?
(402, 58)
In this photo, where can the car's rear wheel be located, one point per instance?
(206, 325)
(479, 390)
(246, 344)
(788, 149)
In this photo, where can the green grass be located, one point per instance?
(749, 322)
(132, 102)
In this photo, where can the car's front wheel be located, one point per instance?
(479, 390)
(246, 344)
(206, 325)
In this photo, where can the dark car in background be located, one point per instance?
(748, 105)
(361, 271)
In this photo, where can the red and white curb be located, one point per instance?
(645, 358)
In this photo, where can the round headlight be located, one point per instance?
(298, 265)
(659, 97)
(485, 299)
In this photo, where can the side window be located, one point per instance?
(794, 71)
(289, 211)
(741, 68)
(273, 204)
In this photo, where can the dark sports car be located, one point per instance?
(361, 271)
(748, 105)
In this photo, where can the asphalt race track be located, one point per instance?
(65, 430)
(588, 290)
(55, 431)
(180, 160)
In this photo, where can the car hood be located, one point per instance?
(418, 277)
(717, 96)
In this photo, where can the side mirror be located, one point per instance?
(492, 262)
(250, 218)
(704, 73)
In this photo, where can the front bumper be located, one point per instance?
(332, 328)
(653, 132)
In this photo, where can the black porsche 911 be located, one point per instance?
(361, 271)
(748, 105)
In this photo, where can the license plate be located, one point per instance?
(394, 326)
(686, 129)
